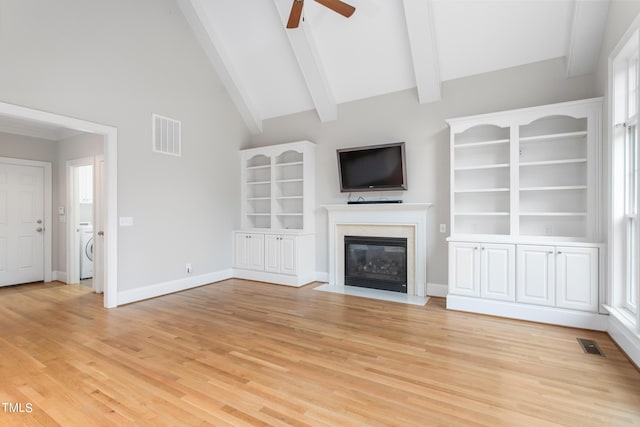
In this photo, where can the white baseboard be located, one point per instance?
(60, 276)
(279, 279)
(622, 332)
(165, 288)
(534, 313)
(322, 276)
(437, 290)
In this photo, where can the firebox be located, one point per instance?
(376, 262)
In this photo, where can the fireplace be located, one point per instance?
(376, 262)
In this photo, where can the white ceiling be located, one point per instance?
(386, 46)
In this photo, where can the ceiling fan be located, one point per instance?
(335, 5)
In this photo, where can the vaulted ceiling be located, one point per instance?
(386, 46)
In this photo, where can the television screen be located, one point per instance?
(373, 168)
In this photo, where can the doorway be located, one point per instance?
(109, 233)
(84, 221)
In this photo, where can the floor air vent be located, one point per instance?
(590, 347)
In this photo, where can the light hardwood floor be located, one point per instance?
(247, 353)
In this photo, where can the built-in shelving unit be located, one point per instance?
(528, 173)
(277, 241)
(528, 183)
(278, 187)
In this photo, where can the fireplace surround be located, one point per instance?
(401, 220)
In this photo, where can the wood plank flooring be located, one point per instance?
(253, 354)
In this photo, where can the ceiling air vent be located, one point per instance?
(166, 135)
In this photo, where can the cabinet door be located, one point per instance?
(288, 255)
(535, 274)
(577, 278)
(241, 250)
(464, 269)
(272, 253)
(497, 271)
(256, 251)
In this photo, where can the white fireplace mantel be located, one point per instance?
(413, 215)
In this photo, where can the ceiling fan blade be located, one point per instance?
(296, 13)
(342, 8)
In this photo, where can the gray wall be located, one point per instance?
(399, 117)
(116, 62)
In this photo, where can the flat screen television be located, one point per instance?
(372, 168)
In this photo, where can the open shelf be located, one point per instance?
(482, 213)
(553, 214)
(565, 136)
(555, 188)
(491, 166)
(289, 164)
(258, 167)
(482, 143)
(278, 190)
(554, 162)
(483, 190)
(536, 164)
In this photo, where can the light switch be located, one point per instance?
(60, 210)
(126, 221)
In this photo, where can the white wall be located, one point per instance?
(399, 117)
(115, 62)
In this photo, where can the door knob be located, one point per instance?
(39, 229)
(39, 221)
(100, 233)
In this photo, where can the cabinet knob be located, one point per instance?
(559, 253)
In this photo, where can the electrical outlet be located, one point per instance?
(188, 268)
(443, 228)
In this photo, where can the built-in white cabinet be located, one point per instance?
(561, 276)
(277, 242)
(526, 214)
(482, 270)
(536, 275)
(280, 254)
(286, 259)
(249, 251)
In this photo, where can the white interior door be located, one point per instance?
(21, 224)
(98, 225)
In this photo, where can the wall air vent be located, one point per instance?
(166, 135)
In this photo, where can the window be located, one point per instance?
(631, 214)
(625, 216)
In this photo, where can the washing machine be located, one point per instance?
(86, 251)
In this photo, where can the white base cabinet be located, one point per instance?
(544, 283)
(282, 258)
(482, 270)
(249, 251)
(560, 276)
